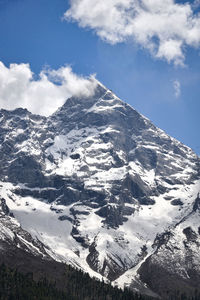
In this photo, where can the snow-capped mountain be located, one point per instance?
(102, 188)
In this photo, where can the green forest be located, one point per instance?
(15, 285)
(19, 286)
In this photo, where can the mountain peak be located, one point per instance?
(87, 100)
(101, 186)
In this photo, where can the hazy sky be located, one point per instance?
(146, 51)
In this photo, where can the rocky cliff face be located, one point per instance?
(103, 188)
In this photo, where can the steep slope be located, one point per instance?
(12, 236)
(98, 184)
(175, 263)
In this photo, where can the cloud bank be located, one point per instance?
(19, 88)
(164, 27)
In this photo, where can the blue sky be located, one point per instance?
(164, 88)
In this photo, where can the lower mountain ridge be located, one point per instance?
(97, 186)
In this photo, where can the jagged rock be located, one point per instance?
(99, 179)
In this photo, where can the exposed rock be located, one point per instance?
(98, 176)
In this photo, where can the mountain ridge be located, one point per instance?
(98, 184)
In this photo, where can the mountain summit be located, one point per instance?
(98, 186)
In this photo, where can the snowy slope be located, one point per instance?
(12, 235)
(98, 184)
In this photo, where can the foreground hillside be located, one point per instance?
(77, 286)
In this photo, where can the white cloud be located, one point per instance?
(177, 88)
(171, 50)
(163, 27)
(18, 88)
